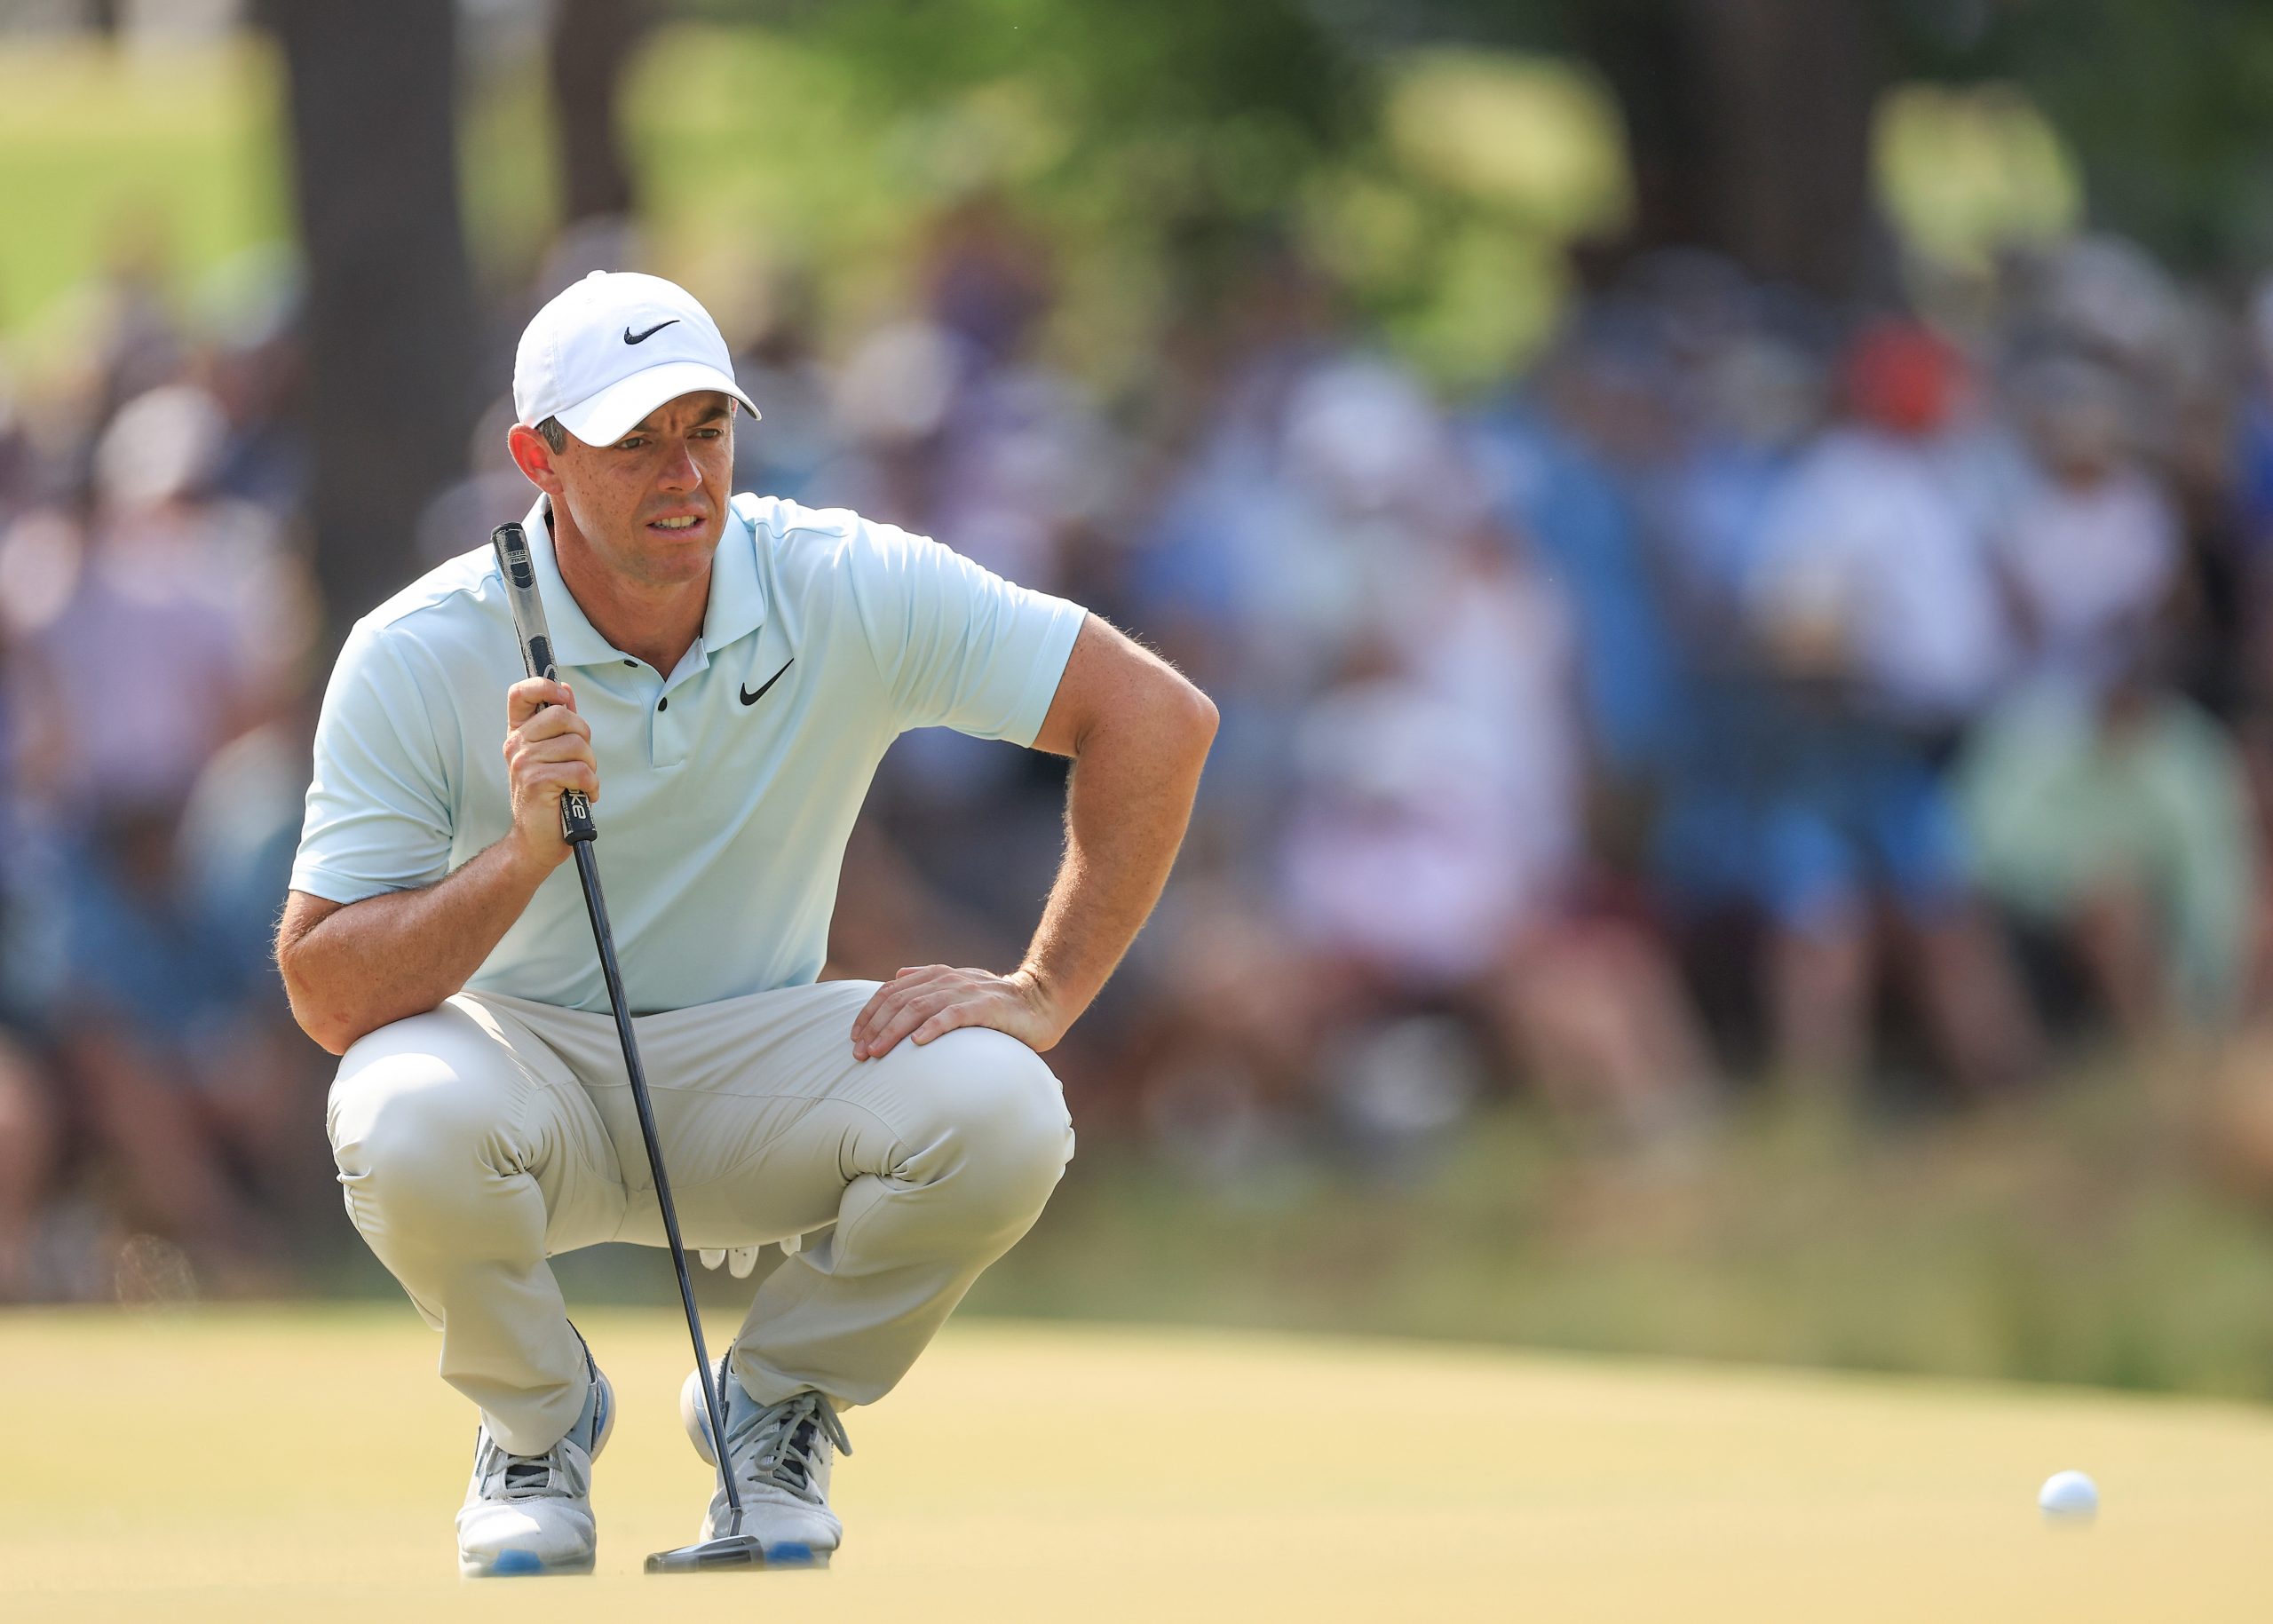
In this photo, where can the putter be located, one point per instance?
(736, 1549)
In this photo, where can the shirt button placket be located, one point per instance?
(666, 746)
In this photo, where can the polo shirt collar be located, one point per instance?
(736, 608)
(576, 640)
(737, 605)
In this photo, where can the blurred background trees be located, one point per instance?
(1443, 159)
(372, 100)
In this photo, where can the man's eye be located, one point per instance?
(633, 444)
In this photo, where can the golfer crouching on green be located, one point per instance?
(731, 671)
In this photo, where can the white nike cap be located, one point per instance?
(612, 348)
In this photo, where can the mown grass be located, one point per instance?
(305, 1463)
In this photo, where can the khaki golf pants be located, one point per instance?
(478, 1139)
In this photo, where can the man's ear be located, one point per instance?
(533, 458)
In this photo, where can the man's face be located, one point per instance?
(650, 506)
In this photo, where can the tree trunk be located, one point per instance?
(390, 328)
(592, 44)
(1748, 124)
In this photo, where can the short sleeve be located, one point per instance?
(958, 646)
(378, 812)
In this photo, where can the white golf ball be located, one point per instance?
(2069, 1495)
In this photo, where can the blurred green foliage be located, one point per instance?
(1438, 179)
(2170, 108)
(1151, 149)
(1439, 176)
(1968, 173)
(2074, 1243)
(168, 163)
(1170, 71)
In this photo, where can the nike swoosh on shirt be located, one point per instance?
(628, 338)
(751, 699)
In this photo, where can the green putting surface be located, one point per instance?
(306, 1463)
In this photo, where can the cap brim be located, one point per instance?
(616, 410)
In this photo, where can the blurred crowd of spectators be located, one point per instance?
(155, 625)
(1752, 693)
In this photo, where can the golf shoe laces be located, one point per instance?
(559, 1473)
(780, 1444)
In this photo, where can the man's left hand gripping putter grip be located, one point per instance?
(512, 546)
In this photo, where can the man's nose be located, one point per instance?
(680, 471)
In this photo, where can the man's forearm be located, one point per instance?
(1128, 803)
(390, 956)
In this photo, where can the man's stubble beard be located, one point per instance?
(626, 558)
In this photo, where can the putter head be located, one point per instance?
(732, 1552)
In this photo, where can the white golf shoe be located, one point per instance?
(780, 1455)
(533, 1513)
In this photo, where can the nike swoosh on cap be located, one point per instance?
(751, 699)
(628, 338)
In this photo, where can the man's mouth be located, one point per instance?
(683, 522)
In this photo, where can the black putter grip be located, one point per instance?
(512, 546)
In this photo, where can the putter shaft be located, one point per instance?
(588, 871)
(578, 829)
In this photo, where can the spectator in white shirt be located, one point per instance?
(2092, 551)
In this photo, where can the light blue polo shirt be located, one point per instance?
(728, 786)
